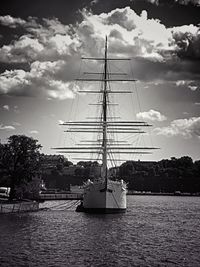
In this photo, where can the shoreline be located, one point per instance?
(17, 206)
(132, 193)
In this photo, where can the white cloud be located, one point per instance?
(61, 90)
(128, 32)
(180, 83)
(61, 44)
(16, 109)
(53, 26)
(16, 123)
(25, 49)
(7, 127)
(156, 2)
(152, 115)
(39, 81)
(60, 121)
(50, 40)
(52, 50)
(13, 81)
(6, 107)
(181, 127)
(193, 87)
(11, 22)
(34, 132)
(45, 68)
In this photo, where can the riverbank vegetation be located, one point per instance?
(20, 165)
(23, 167)
(167, 175)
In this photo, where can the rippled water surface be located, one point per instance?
(155, 231)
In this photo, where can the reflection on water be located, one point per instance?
(155, 231)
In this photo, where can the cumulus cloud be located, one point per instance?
(34, 132)
(151, 115)
(180, 82)
(6, 107)
(52, 50)
(187, 128)
(187, 40)
(193, 87)
(7, 127)
(16, 123)
(128, 32)
(11, 22)
(39, 81)
(47, 41)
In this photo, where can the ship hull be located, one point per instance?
(104, 210)
(99, 198)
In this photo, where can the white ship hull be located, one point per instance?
(98, 199)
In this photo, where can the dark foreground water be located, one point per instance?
(155, 231)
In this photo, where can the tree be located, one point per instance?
(20, 161)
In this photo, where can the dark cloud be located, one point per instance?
(188, 45)
(172, 70)
(181, 2)
(50, 48)
(186, 2)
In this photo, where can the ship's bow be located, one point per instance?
(99, 198)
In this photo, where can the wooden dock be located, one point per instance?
(61, 196)
(18, 206)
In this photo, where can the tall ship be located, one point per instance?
(105, 193)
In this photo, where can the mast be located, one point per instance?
(104, 106)
(105, 146)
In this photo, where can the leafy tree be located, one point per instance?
(20, 161)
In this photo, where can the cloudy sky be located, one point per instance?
(41, 44)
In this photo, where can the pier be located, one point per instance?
(61, 196)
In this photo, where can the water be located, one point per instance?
(155, 231)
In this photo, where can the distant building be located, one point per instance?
(52, 161)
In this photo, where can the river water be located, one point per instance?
(155, 231)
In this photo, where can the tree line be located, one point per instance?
(20, 166)
(21, 169)
(167, 175)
